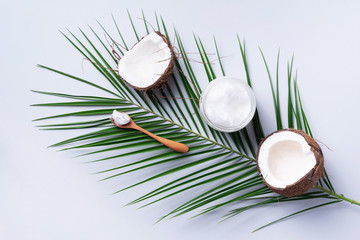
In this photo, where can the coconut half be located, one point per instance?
(290, 162)
(148, 64)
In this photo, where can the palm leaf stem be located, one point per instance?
(339, 196)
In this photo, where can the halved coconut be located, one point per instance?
(148, 64)
(290, 162)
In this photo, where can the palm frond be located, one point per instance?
(296, 213)
(220, 168)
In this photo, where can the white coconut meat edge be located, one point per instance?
(146, 61)
(284, 158)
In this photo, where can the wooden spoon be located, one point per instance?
(176, 146)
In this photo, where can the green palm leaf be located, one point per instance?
(219, 166)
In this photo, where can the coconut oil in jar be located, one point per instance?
(227, 104)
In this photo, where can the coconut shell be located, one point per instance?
(162, 80)
(310, 179)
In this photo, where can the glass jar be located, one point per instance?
(227, 104)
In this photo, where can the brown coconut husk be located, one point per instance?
(310, 179)
(162, 80)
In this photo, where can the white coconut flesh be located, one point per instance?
(144, 64)
(284, 158)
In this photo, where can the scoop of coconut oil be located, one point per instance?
(228, 104)
(120, 118)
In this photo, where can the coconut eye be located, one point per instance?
(290, 162)
(148, 64)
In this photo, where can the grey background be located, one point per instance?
(48, 195)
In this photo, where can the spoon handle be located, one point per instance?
(176, 146)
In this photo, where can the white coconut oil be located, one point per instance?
(228, 104)
(120, 118)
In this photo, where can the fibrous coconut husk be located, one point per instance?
(162, 80)
(307, 181)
